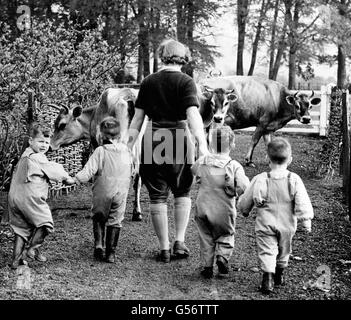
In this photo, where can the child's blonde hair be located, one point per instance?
(221, 139)
(279, 150)
(110, 128)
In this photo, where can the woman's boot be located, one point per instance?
(18, 247)
(112, 235)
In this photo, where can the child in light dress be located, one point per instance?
(29, 214)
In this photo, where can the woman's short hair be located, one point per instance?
(279, 150)
(173, 52)
(39, 129)
(221, 139)
(110, 127)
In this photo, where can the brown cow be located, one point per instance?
(77, 123)
(263, 103)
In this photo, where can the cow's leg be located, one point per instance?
(137, 188)
(254, 140)
(267, 138)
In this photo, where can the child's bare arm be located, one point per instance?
(242, 181)
(303, 205)
(246, 203)
(90, 168)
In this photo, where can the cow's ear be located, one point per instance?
(232, 97)
(208, 95)
(290, 100)
(315, 101)
(77, 111)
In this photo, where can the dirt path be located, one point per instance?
(71, 273)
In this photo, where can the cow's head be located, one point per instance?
(220, 101)
(302, 104)
(67, 129)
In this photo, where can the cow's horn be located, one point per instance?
(208, 89)
(296, 93)
(65, 108)
(217, 74)
(55, 106)
(312, 94)
(229, 91)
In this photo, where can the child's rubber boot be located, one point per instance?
(33, 253)
(98, 230)
(112, 236)
(18, 247)
(267, 283)
(223, 267)
(207, 272)
(279, 277)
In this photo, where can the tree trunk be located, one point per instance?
(341, 80)
(241, 20)
(273, 36)
(143, 40)
(293, 45)
(282, 40)
(156, 31)
(257, 39)
(190, 34)
(181, 20)
(146, 58)
(281, 49)
(341, 72)
(292, 68)
(140, 63)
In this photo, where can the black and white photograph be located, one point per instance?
(177, 158)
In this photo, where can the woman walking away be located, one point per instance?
(169, 98)
(111, 165)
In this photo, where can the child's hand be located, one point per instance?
(69, 181)
(305, 226)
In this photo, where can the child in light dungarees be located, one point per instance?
(29, 214)
(281, 199)
(221, 179)
(111, 164)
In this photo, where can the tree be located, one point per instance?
(242, 14)
(265, 5)
(194, 22)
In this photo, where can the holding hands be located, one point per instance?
(70, 181)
